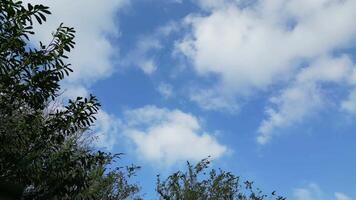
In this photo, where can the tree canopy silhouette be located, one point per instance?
(197, 184)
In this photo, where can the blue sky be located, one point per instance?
(267, 88)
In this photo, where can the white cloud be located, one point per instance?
(141, 55)
(210, 4)
(313, 192)
(349, 105)
(106, 130)
(305, 95)
(214, 99)
(166, 90)
(253, 47)
(341, 196)
(292, 106)
(162, 136)
(74, 91)
(148, 66)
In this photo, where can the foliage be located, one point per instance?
(41, 150)
(195, 184)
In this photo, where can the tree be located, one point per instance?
(42, 153)
(195, 184)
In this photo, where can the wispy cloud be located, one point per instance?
(313, 192)
(305, 95)
(106, 132)
(166, 90)
(341, 196)
(143, 54)
(214, 99)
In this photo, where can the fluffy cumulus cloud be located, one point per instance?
(251, 48)
(313, 192)
(166, 136)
